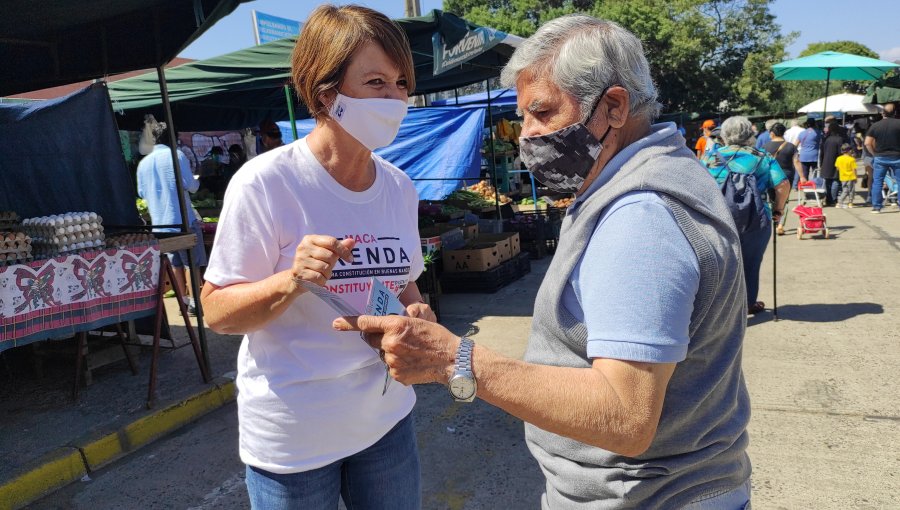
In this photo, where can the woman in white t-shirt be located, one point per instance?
(317, 419)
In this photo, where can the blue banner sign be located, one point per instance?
(268, 28)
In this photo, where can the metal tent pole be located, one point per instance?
(493, 165)
(825, 102)
(182, 206)
(290, 105)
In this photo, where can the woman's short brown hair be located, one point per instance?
(328, 41)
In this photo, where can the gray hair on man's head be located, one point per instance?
(584, 56)
(770, 123)
(737, 131)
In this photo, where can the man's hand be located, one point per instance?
(421, 311)
(417, 351)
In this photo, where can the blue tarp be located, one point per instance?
(64, 155)
(433, 143)
(500, 97)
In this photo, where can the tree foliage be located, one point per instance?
(698, 50)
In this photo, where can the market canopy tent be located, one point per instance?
(884, 90)
(243, 88)
(499, 97)
(57, 42)
(64, 155)
(437, 146)
(840, 104)
(832, 65)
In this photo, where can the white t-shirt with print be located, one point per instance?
(307, 394)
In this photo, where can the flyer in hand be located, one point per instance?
(381, 302)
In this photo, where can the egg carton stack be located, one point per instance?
(61, 234)
(9, 220)
(15, 248)
(128, 240)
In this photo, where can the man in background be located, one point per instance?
(156, 185)
(708, 126)
(883, 141)
(269, 136)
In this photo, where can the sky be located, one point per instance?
(816, 20)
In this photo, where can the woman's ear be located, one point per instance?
(327, 98)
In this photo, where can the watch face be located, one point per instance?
(462, 387)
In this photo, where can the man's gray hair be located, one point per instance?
(584, 56)
(770, 123)
(737, 131)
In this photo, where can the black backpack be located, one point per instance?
(743, 198)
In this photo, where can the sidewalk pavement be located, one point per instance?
(824, 431)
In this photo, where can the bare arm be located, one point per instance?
(615, 405)
(781, 197)
(870, 145)
(798, 167)
(245, 307)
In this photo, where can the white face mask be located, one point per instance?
(374, 122)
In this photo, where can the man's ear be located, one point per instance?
(618, 104)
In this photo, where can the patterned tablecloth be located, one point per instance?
(72, 293)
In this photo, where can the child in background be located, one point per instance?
(846, 165)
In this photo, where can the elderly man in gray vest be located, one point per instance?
(631, 387)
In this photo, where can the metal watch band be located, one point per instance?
(464, 355)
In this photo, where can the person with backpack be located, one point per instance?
(703, 141)
(745, 175)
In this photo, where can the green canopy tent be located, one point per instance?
(242, 88)
(832, 65)
(58, 42)
(884, 90)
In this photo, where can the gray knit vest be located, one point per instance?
(699, 448)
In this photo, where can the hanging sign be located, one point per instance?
(473, 44)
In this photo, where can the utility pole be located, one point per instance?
(411, 10)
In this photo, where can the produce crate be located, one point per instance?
(508, 244)
(487, 282)
(535, 249)
(490, 226)
(475, 258)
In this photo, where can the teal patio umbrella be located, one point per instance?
(832, 65)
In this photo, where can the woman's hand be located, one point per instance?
(421, 311)
(316, 256)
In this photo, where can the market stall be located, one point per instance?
(55, 44)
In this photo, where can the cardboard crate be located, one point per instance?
(488, 281)
(474, 258)
(508, 244)
(451, 236)
(470, 231)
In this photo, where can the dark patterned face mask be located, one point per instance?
(562, 160)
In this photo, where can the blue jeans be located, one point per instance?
(753, 247)
(384, 476)
(737, 499)
(880, 168)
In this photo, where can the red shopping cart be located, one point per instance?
(812, 221)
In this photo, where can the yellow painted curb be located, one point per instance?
(68, 464)
(52, 471)
(102, 451)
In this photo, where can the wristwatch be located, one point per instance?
(462, 383)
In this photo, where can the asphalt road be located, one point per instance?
(823, 380)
